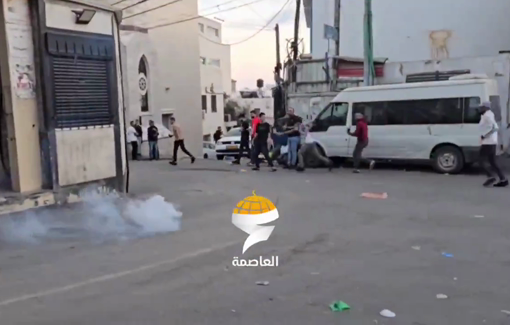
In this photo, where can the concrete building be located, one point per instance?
(413, 30)
(215, 75)
(160, 51)
(62, 116)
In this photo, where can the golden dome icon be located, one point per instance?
(254, 205)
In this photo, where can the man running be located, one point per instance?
(361, 134)
(178, 142)
(310, 148)
(489, 138)
(260, 143)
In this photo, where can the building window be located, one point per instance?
(215, 62)
(201, 27)
(214, 108)
(202, 60)
(204, 103)
(213, 31)
(143, 85)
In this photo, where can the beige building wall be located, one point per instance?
(175, 76)
(19, 102)
(215, 72)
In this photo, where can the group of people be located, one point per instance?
(135, 136)
(295, 132)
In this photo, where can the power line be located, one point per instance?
(170, 3)
(256, 33)
(221, 4)
(200, 16)
(148, 10)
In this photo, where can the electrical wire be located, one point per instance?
(200, 16)
(152, 9)
(172, 2)
(256, 33)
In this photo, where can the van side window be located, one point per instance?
(434, 111)
(375, 112)
(471, 110)
(412, 112)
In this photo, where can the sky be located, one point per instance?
(255, 58)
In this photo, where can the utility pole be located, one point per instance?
(295, 41)
(337, 26)
(296, 30)
(278, 66)
(368, 60)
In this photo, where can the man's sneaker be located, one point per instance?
(255, 168)
(273, 169)
(372, 164)
(489, 182)
(193, 160)
(250, 164)
(173, 163)
(503, 183)
(300, 169)
(236, 162)
(356, 171)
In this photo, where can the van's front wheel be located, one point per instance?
(448, 160)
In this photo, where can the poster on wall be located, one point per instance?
(24, 79)
(21, 59)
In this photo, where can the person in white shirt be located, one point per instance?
(132, 138)
(309, 148)
(489, 142)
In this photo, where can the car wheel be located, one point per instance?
(220, 157)
(205, 156)
(448, 160)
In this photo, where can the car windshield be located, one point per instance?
(234, 133)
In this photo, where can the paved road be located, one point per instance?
(332, 245)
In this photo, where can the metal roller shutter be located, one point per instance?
(434, 76)
(81, 92)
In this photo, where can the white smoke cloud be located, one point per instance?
(100, 217)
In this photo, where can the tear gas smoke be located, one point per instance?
(99, 217)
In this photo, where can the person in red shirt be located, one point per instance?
(361, 134)
(255, 121)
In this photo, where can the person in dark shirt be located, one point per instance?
(218, 134)
(260, 142)
(294, 137)
(245, 142)
(361, 134)
(152, 136)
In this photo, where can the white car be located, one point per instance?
(228, 145)
(209, 150)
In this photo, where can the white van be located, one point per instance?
(435, 122)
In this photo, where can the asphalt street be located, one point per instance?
(434, 234)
